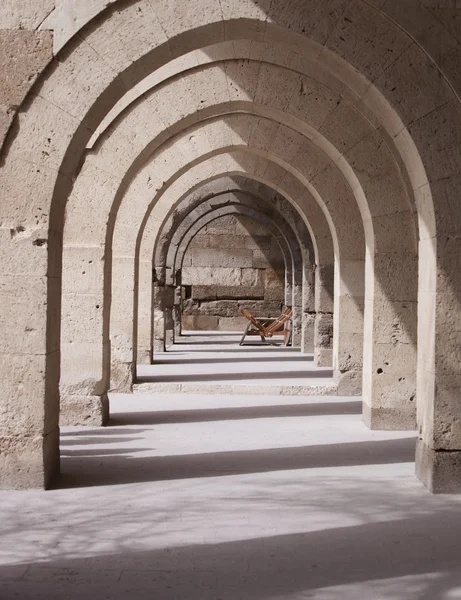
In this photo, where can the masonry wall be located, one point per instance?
(232, 263)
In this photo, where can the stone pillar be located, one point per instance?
(324, 302)
(85, 351)
(123, 317)
(308, 306)
(162, 316)
(438, 453)
(323, 352)
(145, 312)
(389, 365)
(348, 326)
(297, 318)
(177, 312)
(29, 360)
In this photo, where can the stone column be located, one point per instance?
(348, 326)
(177, 312)
(145, 312)
(85, 351)
(324, 300)
(438, 453)
(163, 302)
(389, 360)
(123, 317)
(308, 306)
(297, 314)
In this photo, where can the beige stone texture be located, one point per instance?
(23, 55)
(24, 15)
(350, 109)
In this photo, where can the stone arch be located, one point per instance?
(434, 116)
(298, 267)
(396, 314)
(320, 249)
(293, 273)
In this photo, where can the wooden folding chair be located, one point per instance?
(267, 328)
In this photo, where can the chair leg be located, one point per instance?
(244, 334)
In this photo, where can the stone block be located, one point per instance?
(204, 292)
(24, 334)
(220, 308)
(439, 471)
(82, 317)
(200, 241)
(190, 306)
(399, 418)
(227, 241)
(84, 368)
(84, 410)
(223, 225)
(263, 308)
(242, 292)
(83, 270)
(200, 323)
(324, 330)
(323, 357)
(232, 323)
(208, 276)
(221, 258)
(248, 226)
(274, 293)
(261, 260)
(24, 386)
(258, 242)
(29, 461)
(122, 374)
(349, 383)
(252, 277)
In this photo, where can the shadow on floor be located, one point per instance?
(406, 558)
(232, 359)
(237, 413)
(95, 468)
(260, 349)
(217, 377)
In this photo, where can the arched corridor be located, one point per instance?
(129, 129)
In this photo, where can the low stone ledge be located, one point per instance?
(235, 389)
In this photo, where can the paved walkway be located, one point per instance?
(232, 498)
(210, 363)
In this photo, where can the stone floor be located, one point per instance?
(210, 363)
(228, 497)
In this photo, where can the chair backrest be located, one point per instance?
(279, 323)
(276, 325)
(246, 313)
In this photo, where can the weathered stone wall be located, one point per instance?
(232, 263)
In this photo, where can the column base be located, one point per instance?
(438, 470)
(323, 357)
(121, 376)
(389, 419)
(349, 383)
(84, 410)
(158, 346)
(29, 462)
